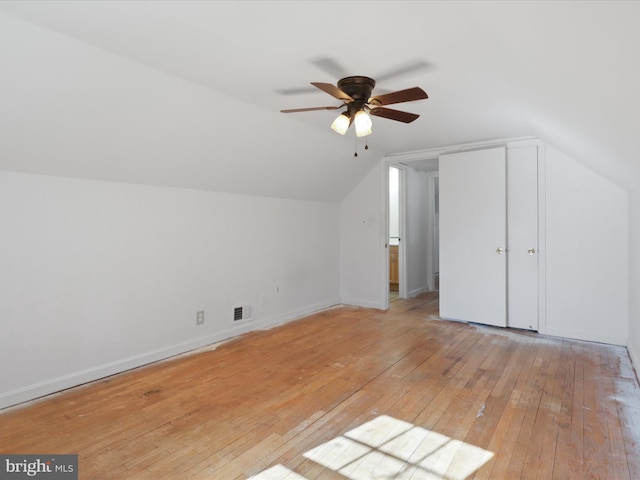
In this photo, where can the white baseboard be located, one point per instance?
(417, 291)
(74, 379)
(276, 320)
(355, 302)
(586, 336)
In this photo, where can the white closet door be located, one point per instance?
(473, 236)
(522, 220)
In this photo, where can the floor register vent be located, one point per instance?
(242, 312)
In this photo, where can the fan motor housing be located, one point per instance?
(357, 87)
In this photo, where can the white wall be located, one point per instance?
(98, 277)
(416, 232)
(363, 281)
(586, 253)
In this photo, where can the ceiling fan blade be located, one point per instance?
(391, 114)
(295, 90)
(333, 91)
(408, 95)
(330, 66)
(310, 109)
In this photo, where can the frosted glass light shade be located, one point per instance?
(363, 123)
(341, 124)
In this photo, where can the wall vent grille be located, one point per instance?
(242, 312)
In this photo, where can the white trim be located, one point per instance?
(431, 231)
(384, 233)
(355, 302)
(586, 336)
(542, 238)
(433, 153)
(417, 291)
(403, 278)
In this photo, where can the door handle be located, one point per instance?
(499, 250)
(531, 251)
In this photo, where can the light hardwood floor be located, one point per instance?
(354, 393)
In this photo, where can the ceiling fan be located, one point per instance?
(355, 93)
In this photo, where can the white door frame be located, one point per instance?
(402, 251)
(394, 162)
(402, 201)
(432, 251)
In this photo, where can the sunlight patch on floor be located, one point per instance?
(388, 448)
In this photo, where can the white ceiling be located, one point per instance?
(195, 101)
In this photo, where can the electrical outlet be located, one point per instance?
(199, 317)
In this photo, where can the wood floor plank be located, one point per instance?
(491, 430)
(503, 442)
(349, 393)
(565, 456)
(541, 459)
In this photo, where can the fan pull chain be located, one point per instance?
(366, 145)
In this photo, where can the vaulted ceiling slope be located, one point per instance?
(187, 94)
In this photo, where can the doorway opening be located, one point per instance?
(413, 228)
(394, 239)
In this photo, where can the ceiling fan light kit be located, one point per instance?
(355, 93)
(341, 123)
(362, 123)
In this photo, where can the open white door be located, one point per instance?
(473, 236)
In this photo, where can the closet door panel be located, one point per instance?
(522, 220)
(473, 236)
